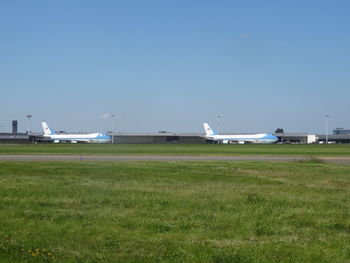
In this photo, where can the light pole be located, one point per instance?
(218, 119)
(327, 117)
(28, 116)
(112, 116)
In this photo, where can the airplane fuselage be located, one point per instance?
(238, 138)
(76, 137)
(87, 138)
(261, 138)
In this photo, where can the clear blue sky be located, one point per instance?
(171, 65)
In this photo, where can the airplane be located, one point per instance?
(237, 138)
(75, 138)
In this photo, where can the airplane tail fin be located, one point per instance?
(208, 130)
(47, 130)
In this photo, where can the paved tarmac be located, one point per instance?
(167, 158)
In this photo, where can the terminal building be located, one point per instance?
(14, 137)
(158, 138)
(342, 131)
(283, 138)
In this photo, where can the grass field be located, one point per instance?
(174, 212)
(178, 149)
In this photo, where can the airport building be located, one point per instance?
(158, 138)
(285, 138)
(302, 138)
(342, 131)
(14, 138)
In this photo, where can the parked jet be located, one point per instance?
(75, 138)
(237, 138)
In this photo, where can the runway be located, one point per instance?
(166, 158)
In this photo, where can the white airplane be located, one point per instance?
(237, 138)
(75, 138)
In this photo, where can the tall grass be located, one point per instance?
(174, 212)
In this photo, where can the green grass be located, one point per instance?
(174, 212)
(178, 149)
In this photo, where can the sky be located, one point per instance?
(172, 65)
